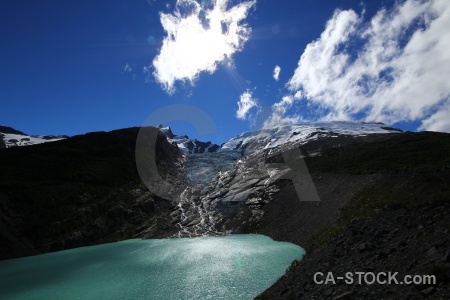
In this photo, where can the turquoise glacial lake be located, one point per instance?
(228, 267)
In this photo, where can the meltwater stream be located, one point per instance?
(194, 216)
(228, 267)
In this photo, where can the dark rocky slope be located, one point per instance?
(81, 191)
(2, 142)
(407, 240)
(385, 203)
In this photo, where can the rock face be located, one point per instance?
(187, 145)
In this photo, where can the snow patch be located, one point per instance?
(272, 137)
(17, 140)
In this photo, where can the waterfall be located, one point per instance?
(194, 216)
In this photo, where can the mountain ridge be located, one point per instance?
(6, 129)
(268, 137)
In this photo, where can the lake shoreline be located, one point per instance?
(234, 266)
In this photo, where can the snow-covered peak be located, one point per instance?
(167, 131)
(188, 145)
(272, 137)
(22, 139)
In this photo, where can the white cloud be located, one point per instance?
(278, 115)
(276, 73)
(199, 37)
(127, 68)
(147, 74)
(130, 70)
(438, 121)
(245, 104)
(393, 68)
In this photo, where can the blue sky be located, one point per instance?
(70, 67)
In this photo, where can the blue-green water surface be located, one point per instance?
(229, 267)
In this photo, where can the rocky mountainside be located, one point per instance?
(369, 179)
(80, 191)
(364, 179)
(384, 206)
